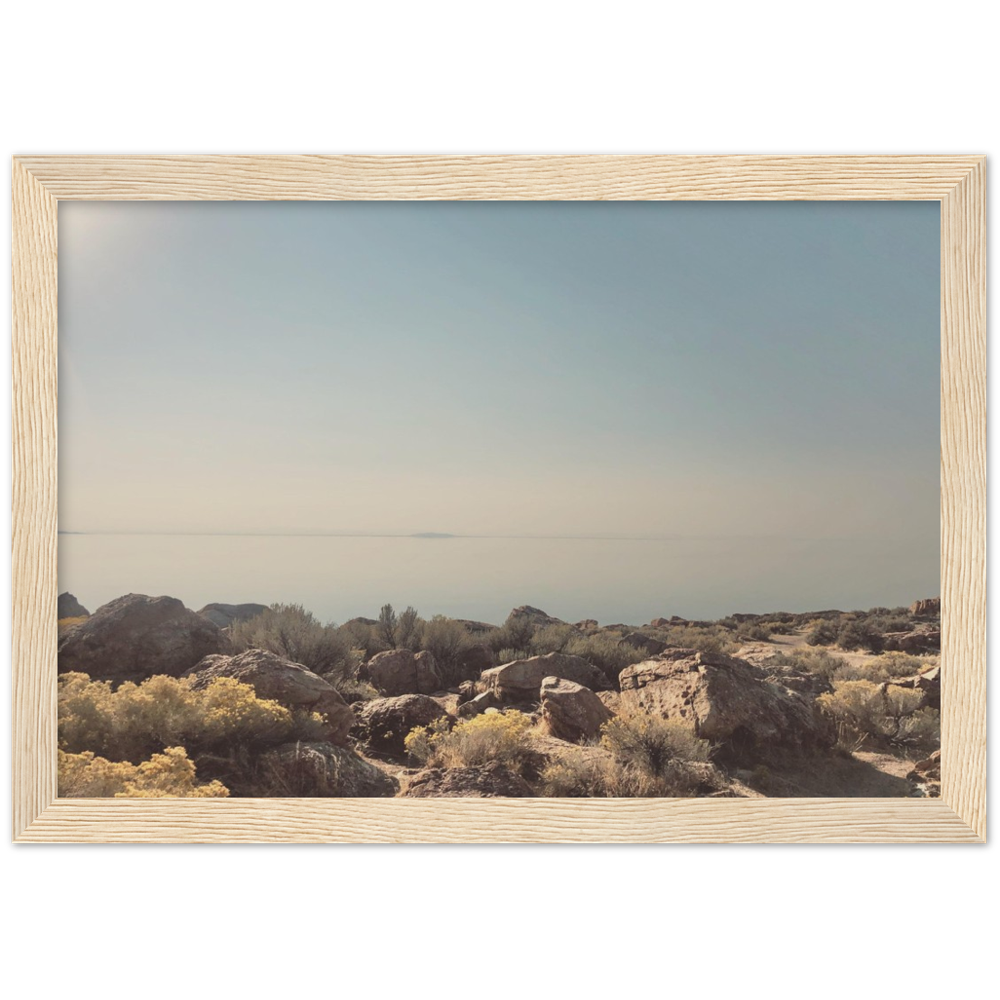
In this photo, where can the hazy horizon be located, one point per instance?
(491, 370)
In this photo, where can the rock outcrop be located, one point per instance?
(646, 643)
(384, 723)
(726, 701)
(400, 671)
(290, 684)
(224, 615)
(70, 607)
(536, 616)
(920, 640)
(492, 780)
(135, 636)
(313, 770)
(571, 711)
(521, 680)
(930, 607)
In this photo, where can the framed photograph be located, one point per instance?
(499, 499)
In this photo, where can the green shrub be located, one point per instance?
(705, 638)
(606, 653)
(292, 632)
(884, 713)
(360, 636)
(647, 757)
(652, 744)
(165, 775)
(446, 639)
(510, 655)
(755, 631)
(859, 635)
(552, 639)
(493, 736)
(887, 622)
(136, 721)
(408, 629)
(821, 662)
(823, 633)
(515, 633)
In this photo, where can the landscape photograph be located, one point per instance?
(499, 499)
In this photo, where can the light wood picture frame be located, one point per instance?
(958, 182)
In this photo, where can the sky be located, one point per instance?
(637, 369)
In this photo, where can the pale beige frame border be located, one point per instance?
(958, 182)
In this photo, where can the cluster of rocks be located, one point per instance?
(745, 705)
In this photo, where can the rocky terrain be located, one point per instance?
(251, 700)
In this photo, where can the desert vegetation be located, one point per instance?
(157, 700)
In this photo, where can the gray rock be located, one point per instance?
(384, 723)
(400, 671)
(313, 770)
(224, 615)
(290, 684)
(521, 680)
(135, 636)
(70, 607)
(492, 780)
(571, 711)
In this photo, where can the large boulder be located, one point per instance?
(726, 700)
(521, 680)
(571, 711)
(311, 770)
(225, 614)
(401, 671)
(70, 607)
(647, 644)
(135, 636)
(384, 723)
(474, 660)
(536, 616)
(290, 684)
(489, 781)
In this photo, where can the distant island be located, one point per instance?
(432, 534)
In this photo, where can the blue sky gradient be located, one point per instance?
(647, 368)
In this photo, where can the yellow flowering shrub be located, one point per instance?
(165, 775)
(137, 720)
(68, 623)
(493, 736)
(885, 712)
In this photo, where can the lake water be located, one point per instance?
(612, 580)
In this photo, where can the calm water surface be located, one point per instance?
(483, 578)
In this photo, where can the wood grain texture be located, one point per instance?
(501, 820)
(957, 181)
(677, 178)
(33, 545)
(963, 497)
